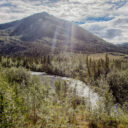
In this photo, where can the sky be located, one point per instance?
(107, 19)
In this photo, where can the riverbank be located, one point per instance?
(81, 88)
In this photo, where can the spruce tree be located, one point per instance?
(106, 65)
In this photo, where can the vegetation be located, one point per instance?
(27, 103)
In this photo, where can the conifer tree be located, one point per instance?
(106, 65)
(88, 69)
(1, 107)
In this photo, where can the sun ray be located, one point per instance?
(54, 40)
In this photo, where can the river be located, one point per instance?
(82, 89)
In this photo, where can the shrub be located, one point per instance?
(17, 75)
(118, 82)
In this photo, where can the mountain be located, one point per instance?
(125, 44)
(42, 34)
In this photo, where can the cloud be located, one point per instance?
(107, 19)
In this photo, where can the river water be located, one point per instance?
(82, 89)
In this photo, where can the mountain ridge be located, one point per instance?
(42, 33)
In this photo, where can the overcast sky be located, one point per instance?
(106, 18)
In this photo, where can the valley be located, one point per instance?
(64, 90)
(55, 74)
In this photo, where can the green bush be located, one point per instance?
(17, 75)
(118, 82)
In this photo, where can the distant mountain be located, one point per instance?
(42, 34)
(125, 44)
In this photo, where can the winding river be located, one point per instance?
(82, 89)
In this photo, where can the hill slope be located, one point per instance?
(125, 44)
(42, 33)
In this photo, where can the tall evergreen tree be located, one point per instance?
(106, 65)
